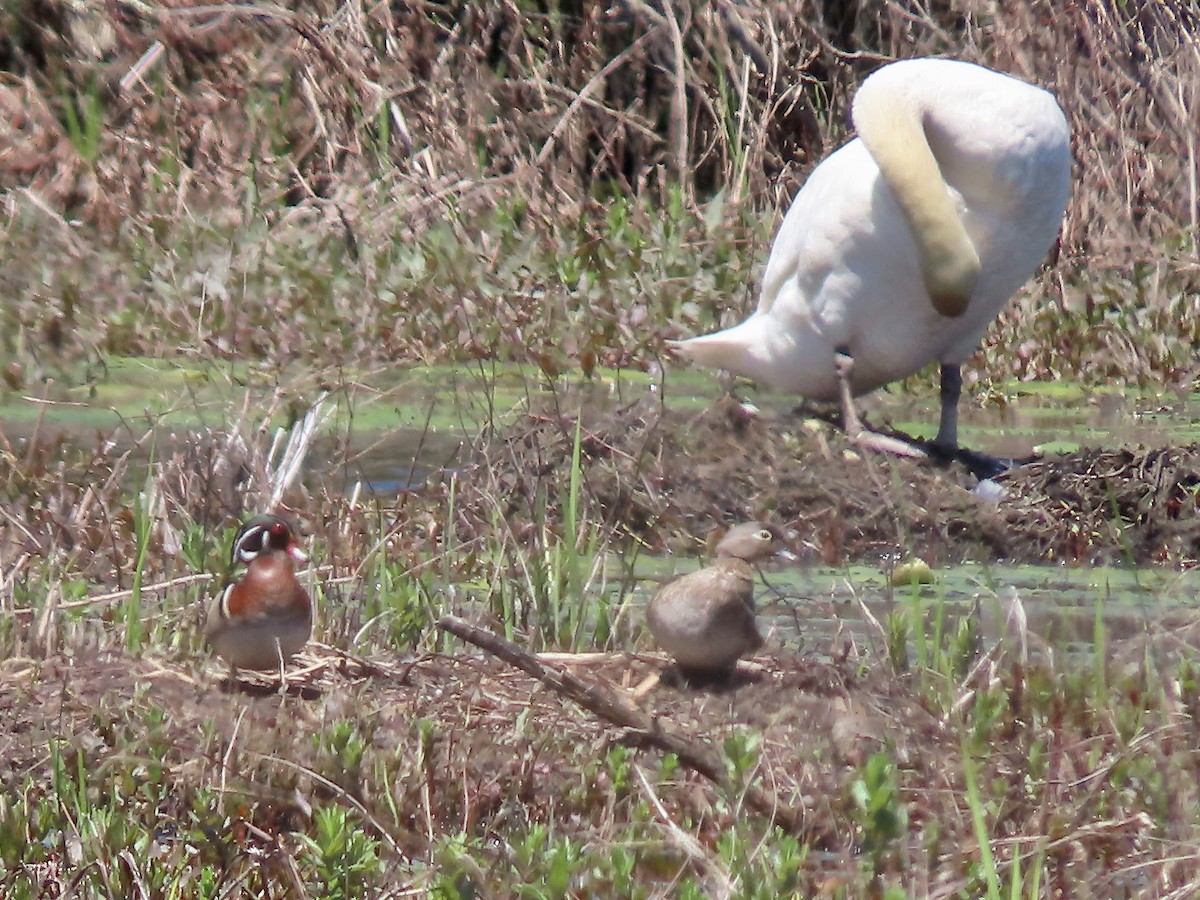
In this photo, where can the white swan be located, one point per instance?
(904, 244)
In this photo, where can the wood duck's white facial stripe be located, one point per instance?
(225, 595)
(250, 543)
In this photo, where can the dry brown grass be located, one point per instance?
(448, 763)
(550, 104)
(654, 473)
(415, 182)
(369, 126)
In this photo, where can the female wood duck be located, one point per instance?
(264, 617)
(705, 619)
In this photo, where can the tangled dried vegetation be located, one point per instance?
(459, 165)
(563, 185)
(656, 473)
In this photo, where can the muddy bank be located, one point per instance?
(434, 746)
(467, 742)
(668, 478)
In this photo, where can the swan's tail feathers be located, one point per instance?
(719, 350)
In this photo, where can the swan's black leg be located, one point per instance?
(945, 445)
(946, 442)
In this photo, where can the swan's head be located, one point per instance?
(950, 273)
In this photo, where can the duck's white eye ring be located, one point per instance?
(765, 535)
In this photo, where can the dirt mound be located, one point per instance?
(437, 746)
(466, 738)
(667, 477)
(1126, 505)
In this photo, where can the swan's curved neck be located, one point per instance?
(889, 122)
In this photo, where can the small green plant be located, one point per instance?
(399, 603)
(759, 867)
(345, 747)
(145, 513)
(545, 863)
(1099, 642)
(83, 116)
(741, 754)
(343, 858)
(565, 574)
(617, 762)
(899, 631)
(987, 862)
(197, 546)
(881, 815)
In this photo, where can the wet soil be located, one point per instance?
(466, 744)
(470, 741)
(463, 743)
(668, 477)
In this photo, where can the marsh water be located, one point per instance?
(819, 608)
(385, 433)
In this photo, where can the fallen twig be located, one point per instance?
(616, 707)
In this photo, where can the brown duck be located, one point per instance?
(264, 617)
(705, 619)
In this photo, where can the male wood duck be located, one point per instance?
(705, 619)
(264, 617)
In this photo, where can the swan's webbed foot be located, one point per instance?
(944, 447)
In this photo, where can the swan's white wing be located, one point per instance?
(844, 270)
